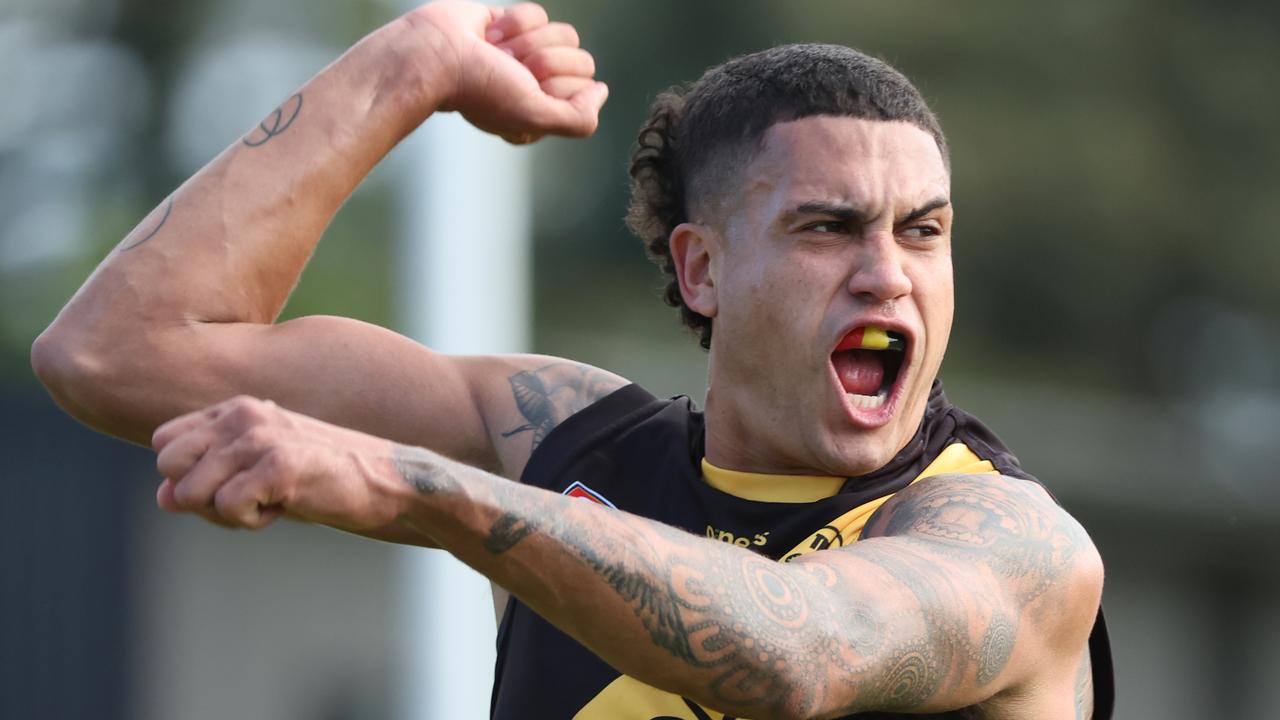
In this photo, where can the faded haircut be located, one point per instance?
(698, 138)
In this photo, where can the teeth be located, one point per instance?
(868, 402)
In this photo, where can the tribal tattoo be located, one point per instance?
(280, 120)
(1011, 526)
(550, 394)
(816, 635)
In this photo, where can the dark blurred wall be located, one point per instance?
(67, 545)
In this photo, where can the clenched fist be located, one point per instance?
(245, 462)
(510, 71)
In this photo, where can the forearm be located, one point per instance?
(968, 589)
(229, 244)
(712, 622)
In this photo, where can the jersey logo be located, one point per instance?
(578, 490)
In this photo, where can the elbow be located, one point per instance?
(53, 360)
(1091, 573)
(1083, 574)
(68, 369)
(1085, 582)
(93, 381)
(44, 359)
(1077, 594)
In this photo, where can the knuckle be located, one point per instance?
(165, 464)
(534, 12)
(257, 437)
(565, 33)
(226, 504)
(240, 402)
(188, 496)
(539, 63)
(223, 499)
(237, 413)
(249, 407)
(279, 461)
(230, 504)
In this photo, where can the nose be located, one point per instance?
(878, 273)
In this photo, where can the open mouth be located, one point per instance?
(867, 363)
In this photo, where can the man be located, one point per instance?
(800, 200)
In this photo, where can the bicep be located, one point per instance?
(1008, 528)
(339, 370)
(525, 397)
(981, 585)
(488, 411)
(923, 632)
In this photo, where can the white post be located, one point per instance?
(464, 271)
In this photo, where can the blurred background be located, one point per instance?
(1118, 323)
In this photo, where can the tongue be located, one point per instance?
(860, 371)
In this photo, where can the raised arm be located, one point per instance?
(181, 313)
(973, 589)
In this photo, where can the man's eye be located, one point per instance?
(827, 226)
(921, 231)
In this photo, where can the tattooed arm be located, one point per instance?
(973, 589)
(181, 313)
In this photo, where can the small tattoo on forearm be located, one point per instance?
(276, 123)
(164, 218)
(507, 531)
(422, 470)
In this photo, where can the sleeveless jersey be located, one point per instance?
(637, 453)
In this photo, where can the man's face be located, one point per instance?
(839, 224)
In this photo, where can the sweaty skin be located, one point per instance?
(967, 594)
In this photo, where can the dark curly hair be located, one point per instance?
(697, 136)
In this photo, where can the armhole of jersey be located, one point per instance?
(985, 444)
(562, 444)
(1104, 679)
(567, 439)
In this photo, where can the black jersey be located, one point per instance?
(643, 455)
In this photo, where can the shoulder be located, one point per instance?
(1014, 524)
(1042, 558)
(524, 397)
(992, 497)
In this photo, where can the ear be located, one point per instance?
(694, 250)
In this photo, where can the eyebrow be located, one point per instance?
(848, 213)
(934, 204)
